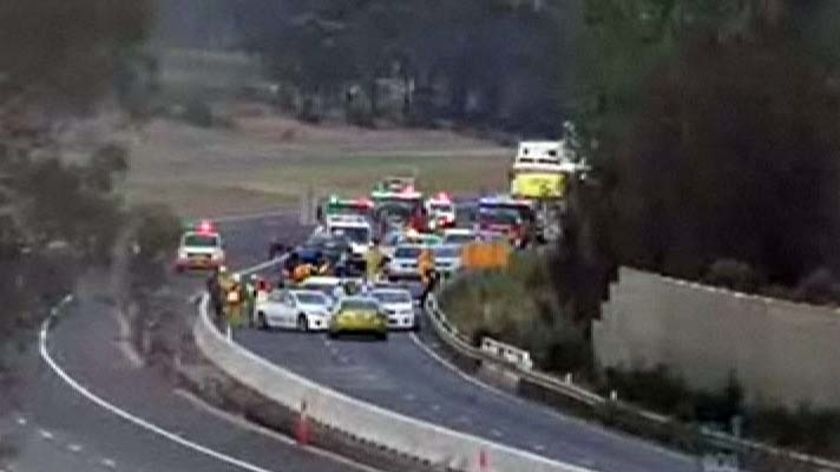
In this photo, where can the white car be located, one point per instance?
(303, 310)
(459, 236)
(447, 258)
(398, 304)
(403, 263)
(202, 249)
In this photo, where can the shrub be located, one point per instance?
(819, 287)
(519, 306)
(733, 274)
(813, 432)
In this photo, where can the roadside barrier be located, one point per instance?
(510, 354)
(401, 434)
(493, 352)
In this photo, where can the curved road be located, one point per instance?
(403, 376)
(54, 427)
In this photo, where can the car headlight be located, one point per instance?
(217, 256)
(182, 254)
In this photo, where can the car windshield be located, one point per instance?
(442, 207)
(360, 305)
(447, 252)
(458, 238)
(201, 240)
(392, 296)
(395, 208)
(499, 216)
(311, 298)
(359, 235)
(407, 252)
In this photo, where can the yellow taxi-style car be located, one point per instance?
(358, 315)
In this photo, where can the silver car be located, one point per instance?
(403, 263)
(447, 258)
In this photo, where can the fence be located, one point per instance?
(401, 434)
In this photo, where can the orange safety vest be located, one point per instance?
(425, 265)
(302, 272)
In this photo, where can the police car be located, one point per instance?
(200, 249)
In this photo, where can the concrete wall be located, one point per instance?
(782, 353)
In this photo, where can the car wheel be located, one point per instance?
(262, 323)
(302, 323)
(332, 334)
(382, 336)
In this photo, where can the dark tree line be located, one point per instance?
(501, 63)
(714, 127)
(57, 61)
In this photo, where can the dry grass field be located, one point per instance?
(264, 162)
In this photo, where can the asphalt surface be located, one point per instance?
(54, 427)
(401, 375)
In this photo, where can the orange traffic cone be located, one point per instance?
(302, 430)
(483, 462)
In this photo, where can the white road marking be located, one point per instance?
(496, 433)
(261, 266)
(556, 415)
(46, 434)
(21, 421)
(74, 447)
(539, 447)
(409, 397)
(109, 463)
(435, 407)
(256, 428)
(45, 355)
(456, 370)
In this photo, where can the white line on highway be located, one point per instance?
(262, 266)
(558, 416)
(74, 448)
(109, 463)
(45, 434)
(241, 422)
(21, 421)
(45, 355)
(253, 216)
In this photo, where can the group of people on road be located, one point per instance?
(233, 298)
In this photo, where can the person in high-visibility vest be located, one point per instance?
(374, 262)
(235, 301)
(426, 269)
(302, 272)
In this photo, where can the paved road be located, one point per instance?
(54, 428)
(402, 376)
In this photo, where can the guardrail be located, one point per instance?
(512, 363)
(404, 435)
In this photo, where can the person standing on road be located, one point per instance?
(426, 268)
(373, 262)
(214, 291)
